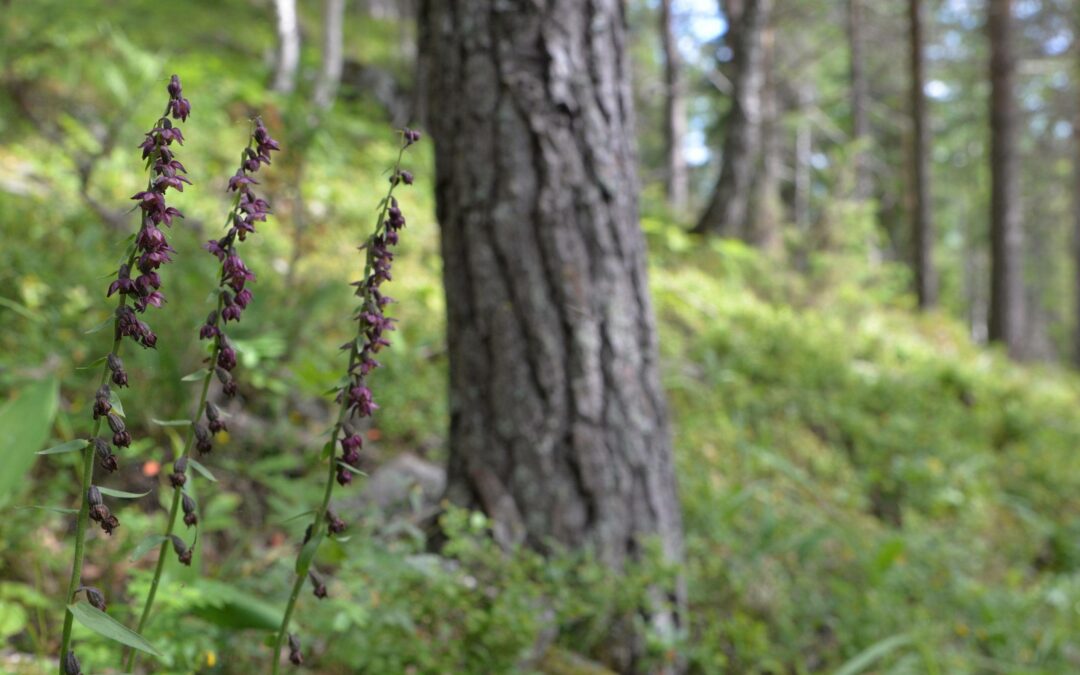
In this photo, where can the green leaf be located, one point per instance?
(170, 423)
(54, 509)
(12, 619)
(120, 494)
(117, 406)
(297, 516)
(307, 554)
(866, 658)
(201, 469)
(351, 469)
(225, 605)
(106, 626)
(26, 421)
(100, 326)
(21, 310)
(196, 376)
(146, 545)
(71, 446)
(96, 362)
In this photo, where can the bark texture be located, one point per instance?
(726, 213)
(676, 181)
(333, 55)
(558, 425)
(921, 213)
(288, 48)
(1006, 236)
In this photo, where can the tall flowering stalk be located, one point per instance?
(233, 296)
(148, 251)
(354, 398)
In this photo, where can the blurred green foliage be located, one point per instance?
(863, 489)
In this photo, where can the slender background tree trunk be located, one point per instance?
(333, 54)
(1006, 237)
(558, 426)
(922, 212)
(1076, 207)
(726, 213)
(804, 148)
(860, 122)
(676, 180)
(288, 54)
(766, 219)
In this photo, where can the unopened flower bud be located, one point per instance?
(226, 357)
(179, 475)
(93, 496)
(295, 657)
(94, 597)
(190, 517)
(119, 375)
(317, 585)
(336, 525)
(121, 437)
(71, 664)
(227, 383)
(183, 553)
(106, 458)
(214, 415)
(209, 329)
(202, 438)
(102, 405)
(116, 423)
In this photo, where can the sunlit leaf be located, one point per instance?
(100, 326)
(351, 469)
(195, 464)
(117, 406)
(196, 376)
(106, 626)
(70, 446)
(54, 509)
(26, 422)
(120, 494)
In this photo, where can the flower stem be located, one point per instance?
(84, 509)
(320, 515)
(329, 448)
(175, 508)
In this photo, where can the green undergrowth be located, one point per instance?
(864, 489)
(861, 481)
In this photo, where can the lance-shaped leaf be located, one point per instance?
(106, 626)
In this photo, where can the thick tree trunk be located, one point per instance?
(1006, 237)
(558, 423)
(860, 122)
(676, 178)
(922, 213)
(727, 210)
(333, 54)
(288, 53)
